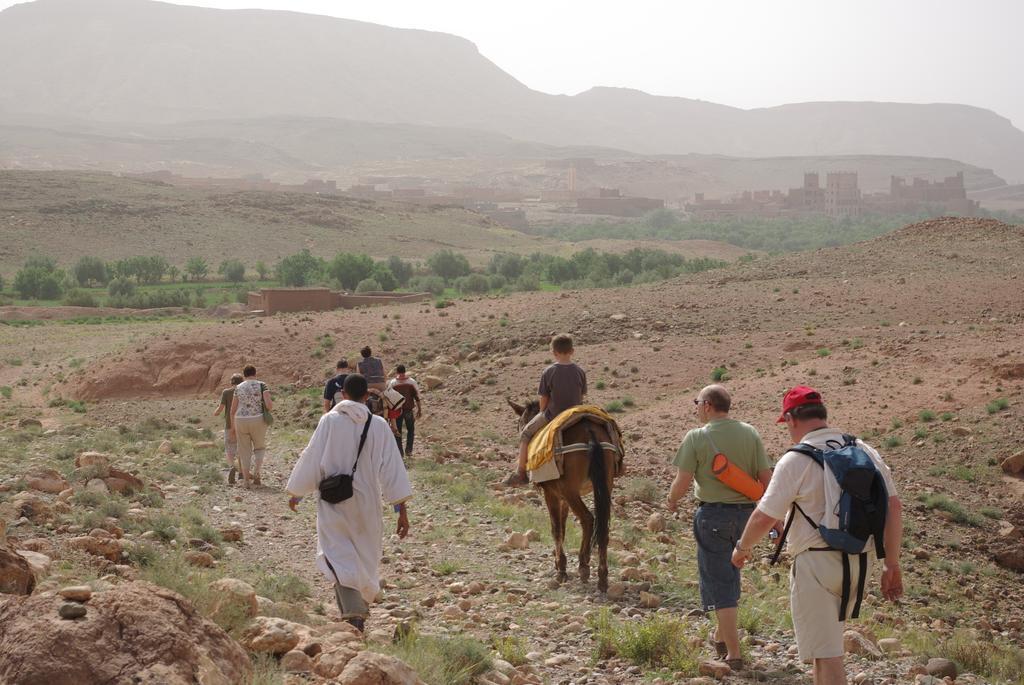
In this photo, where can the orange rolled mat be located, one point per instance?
(736, 478)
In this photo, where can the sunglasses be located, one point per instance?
(699, 402)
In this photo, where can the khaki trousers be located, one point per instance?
(251, 434)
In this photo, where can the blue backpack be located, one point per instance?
(856, 505)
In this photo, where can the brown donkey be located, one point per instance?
(590, 467)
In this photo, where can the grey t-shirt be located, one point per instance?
(564, 385)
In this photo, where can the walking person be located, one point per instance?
(250, 407)
(806, 493)
(349, 441)
(406, 385)
(230, 439)
(334, 385)
(722, 511)
(372, 369)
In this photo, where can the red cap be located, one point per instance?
(798, 397)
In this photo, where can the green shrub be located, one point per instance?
(443, 660)
(892, 441)
(368, 285)
(511, 649)
(643, 490)
(954, 509)
(823, 352)
(285, 587)
(926, 415)
(719, 373)
(614, 407)
(997, 405)
(80, 298)
(656, 642)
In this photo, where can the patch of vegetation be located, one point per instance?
(719, 374)
(823, 352)
(284, 587)
(510, 649)
(443, 660)
(892, 441)
(994, 660)
(445, 567)
(642, 490)
(657, 642)
(926, 415)
(615, 407)
(997, 405)
(954, 509)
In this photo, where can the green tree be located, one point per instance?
(448, 265)
(120, 287)
(508, 265)
(299, 269)
(400, 269)
(172, 273)
(39, 283)
(90, 271)
(151, 269)
(473, 284)
(349, 269)
(196, 268)
(368, 285)
(232, 270)
(383, 275)
(262, 270)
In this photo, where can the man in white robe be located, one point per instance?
(350, 533)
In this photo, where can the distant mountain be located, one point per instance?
(151, 62)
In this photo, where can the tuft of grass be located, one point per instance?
(656, 642)
(947, 416)
(719, 374)
(6, 391)
(823, 352)
(628, 401)
(510, 649)
(997, 405)
(926, 415)
(954, 509)
(443, 660)
(445, 567)
(892, 441)
(285, 587)
(614, 407)
(642, 490)
(993, 660)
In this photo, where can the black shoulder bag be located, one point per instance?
(339, 488)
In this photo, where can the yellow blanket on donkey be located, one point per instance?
(543, 446)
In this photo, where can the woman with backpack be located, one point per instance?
(251, 408)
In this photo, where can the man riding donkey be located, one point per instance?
(567, 448)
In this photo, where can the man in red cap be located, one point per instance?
(797, 491)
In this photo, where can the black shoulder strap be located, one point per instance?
(362, 441)
(810, 451)
(785, 531)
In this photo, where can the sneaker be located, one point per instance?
(517, 480)
(231, 476)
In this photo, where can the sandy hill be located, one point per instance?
(167, 63)
(67, 214)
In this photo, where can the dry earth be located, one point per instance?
(915, 339)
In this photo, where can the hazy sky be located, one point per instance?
(746, 53)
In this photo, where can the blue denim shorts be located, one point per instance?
(717, 528)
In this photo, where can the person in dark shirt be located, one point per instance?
(406, 385)
(332, 391)
(230, 443)
(562, 386)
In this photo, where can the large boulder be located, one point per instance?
(107, 547)
(272, 635)
(234, 599)
(123, 482)
(16, 576)
(39, 563)
(31, 506)
(1014, 465)
(132, 633)
(371, 668)
(46, 480)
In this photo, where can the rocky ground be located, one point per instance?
(915, 340)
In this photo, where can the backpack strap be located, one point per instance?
(815, 454)
(810, 451)
(362, 441)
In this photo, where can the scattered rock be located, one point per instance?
(715, 669)
(38, 562)
(331, 664)
(16, 576)
(617, 591)
(46, 480)
(649, 600)
(517, 541)
(618, 317)
(1012, 558)
(77, 593)
(165, 447)
(271, 635)
(296, 661)
(69, 611)
(890, 645)
(98, 461)
(200, 559)
(432, 382)
(97, 485)
(136, 632)
(1014, 465)
(656, 523)
(961, 431)
(532, 535)
(108, 548)
(370, 668)
(31, 506)
(941, 668)
(233, 598)
(857, 643)
(231, 533)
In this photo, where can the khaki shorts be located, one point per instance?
(533, 427)
(815, 593)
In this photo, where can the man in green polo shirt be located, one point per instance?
(722, 512)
